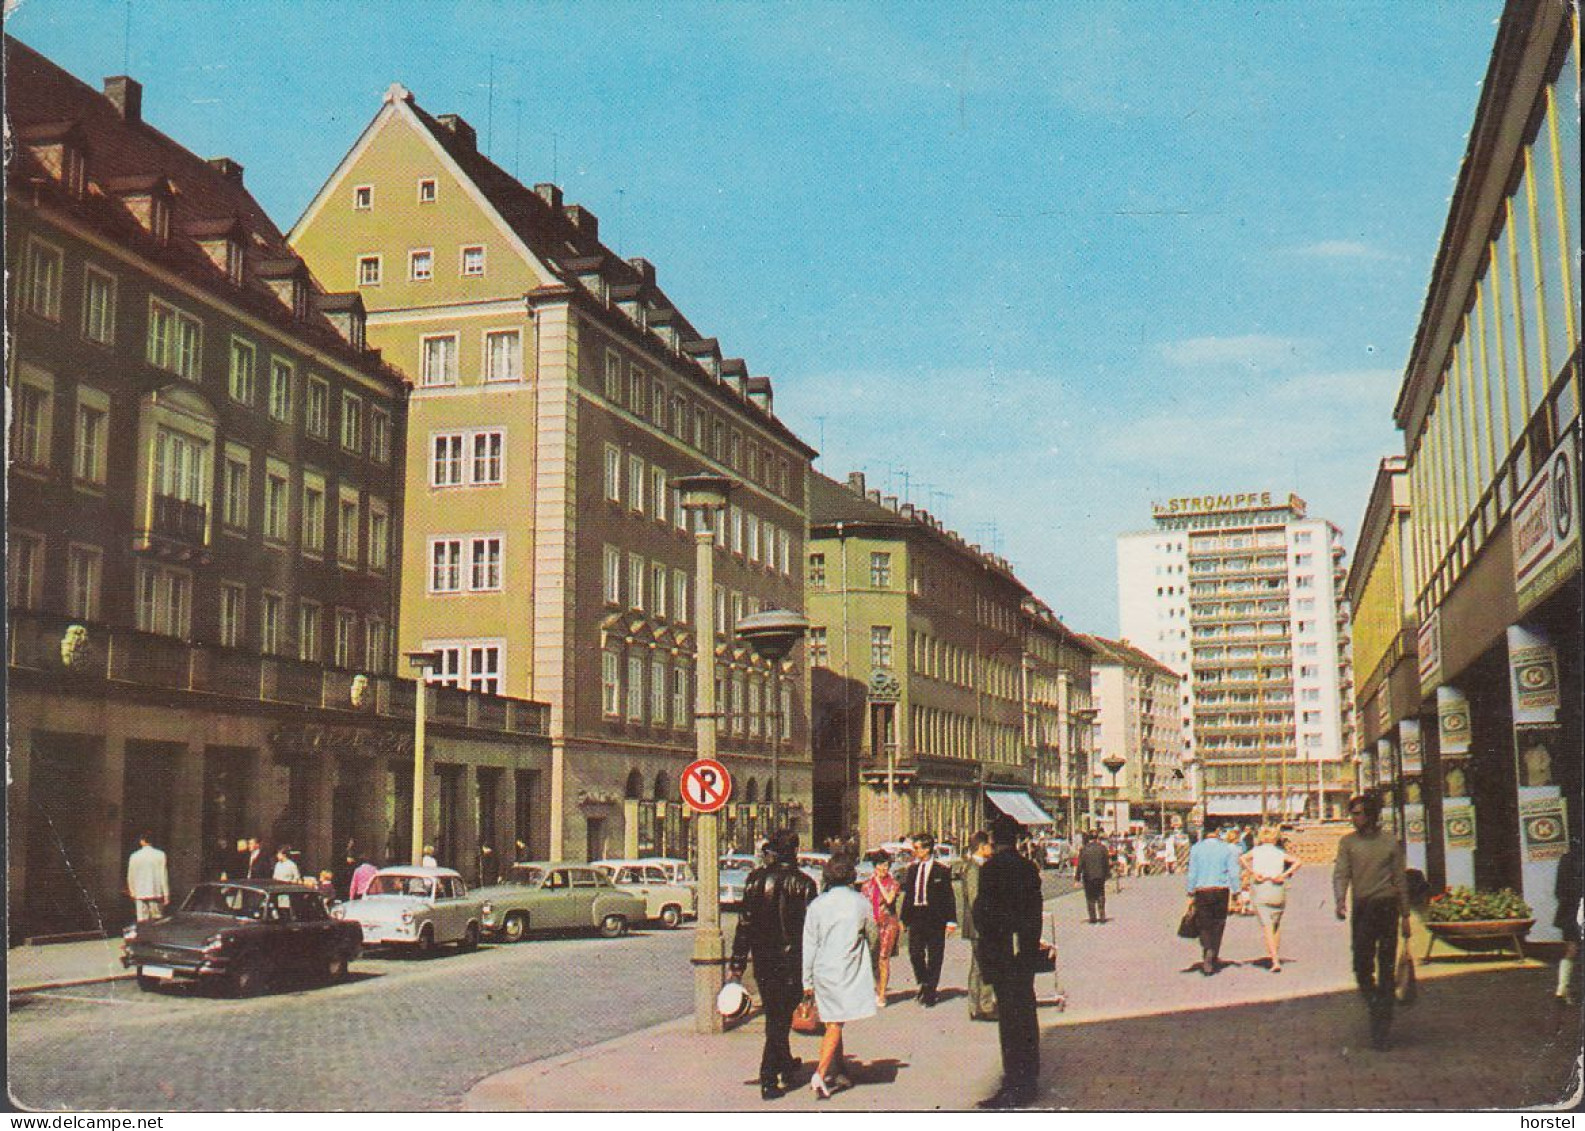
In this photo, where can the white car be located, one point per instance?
(415, 906)
(677, 871)
(666, 901)
(733, 874)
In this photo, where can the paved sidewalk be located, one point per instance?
(63, 964)
(1484, 1034)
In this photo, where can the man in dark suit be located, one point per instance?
(1094, 868)
(929, 912)
(1007, 917)
(259, 865)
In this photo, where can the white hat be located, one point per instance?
(733, 1002)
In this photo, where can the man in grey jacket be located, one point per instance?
(1093, 869)
(1371, 863)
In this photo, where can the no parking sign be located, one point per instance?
(706, 786)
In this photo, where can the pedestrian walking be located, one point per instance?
(1214, 875)
(884, 893)
(1570, 910)
(1270, 868)
(1007, 921)
(966, 874)
(836, 969)
(148, 880)
(1093, 869)
(770, 929)
(929, 912)
(1370, 864)
(286, 869)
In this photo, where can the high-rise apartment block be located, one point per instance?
(1243, 594)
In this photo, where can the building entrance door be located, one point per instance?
(61, 844)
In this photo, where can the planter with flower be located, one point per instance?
(1478, 920)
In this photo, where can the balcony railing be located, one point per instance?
(177, 518)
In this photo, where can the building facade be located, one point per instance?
(1059, 714)
(557, 395)
(1490, 409)
(917, 652)
(1243, 593)
(1139, 724)
(1380, 591)
(204, 498)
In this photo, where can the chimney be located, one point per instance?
(907, 511)
(645, 269)
(126, 94)
(227, 168)
(889, 502)
(459, 129)
(587, 223)
(856, 482)
(873, 495)
(550, 194)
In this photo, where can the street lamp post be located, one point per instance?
(423, 663)
(1113, 763)
(772, 635)
(704, 497)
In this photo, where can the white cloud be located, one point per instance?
(1342, 250)
(1251, 351)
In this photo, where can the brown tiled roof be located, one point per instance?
(133, 157)
(1123, 652)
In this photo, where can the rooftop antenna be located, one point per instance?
(820, 422)
(517, 139)
(907, 479)
(126, 42)
(555, 156)
(621, 211)
(489, 108)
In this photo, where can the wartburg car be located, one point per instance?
(551, 895)
(241, 936)
(418, 907)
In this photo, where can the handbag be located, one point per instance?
(1405, 986)
(1189, 925)
(806, 1017)
(1044, 960)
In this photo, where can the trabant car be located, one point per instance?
(557, 895)
(664, 900)
(241, 935)
(416, 906)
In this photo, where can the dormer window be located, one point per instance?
(222, 242)
(148, 199)
(74, 170)
(59, 148)
(426, 190)
(363, 197)
(288, 279)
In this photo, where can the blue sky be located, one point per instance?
(1034, 264)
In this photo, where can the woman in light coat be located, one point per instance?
(836, 968)
(1270, 868)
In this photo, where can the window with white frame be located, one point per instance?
(635, 581)
(817, 571)
(317, 420)
(82, 581)
(819, 650)
(31, 418)
(99, 306)
(485, 564)
(164, 600)
(420, 265)
(657, 691)
(784, 553)
(636, 386)
(484, 667)
(681, 709)
(428, 190)
(679, 516)
(446, 467)
(635, 689)
(272, 627)
(658, 589)
(756, 709)
(739, 710)
(41, 287)
(658, 496)
(438, 360)
(93, 435)
(181, 467)
(737, 609)
(243, 375)
(379, 435)
(282, 375)
(233, 613)
(347, 527)
(635, 483)
(880, 571)
(657, 403)
(346, 626)
(751, 535)
(681, 590)
(370, 268)
(735, 528)
(377, 645)
(610, 684)
(363, 197)
(276, 501)
(175, 340)
(722, 625)
(379, 536)
(473, 261)
(487, 446)
(612, 576)
(613, 376)
(236, 488)
(24, 569)
(351, 423)
(313, 514)
(785, 720)
(447, 671)
(445, 565)
(613, 474)
(503, 355)
(881, 646)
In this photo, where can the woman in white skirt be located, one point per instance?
(837, 968)
(1270, 868)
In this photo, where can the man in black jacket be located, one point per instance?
(929, 912)
(1094, 868)
(770, 926)
(1007, 917)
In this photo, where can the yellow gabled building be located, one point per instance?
(556, 394)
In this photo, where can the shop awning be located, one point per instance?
(1019, 806)
(1248, 805)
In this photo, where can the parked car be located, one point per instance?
(813, 865)
(733, 874)
(554, 895)
(416, 906)
(677, 871)
(242, 935)
(666, 901)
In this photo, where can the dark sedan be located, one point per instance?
(242, 935)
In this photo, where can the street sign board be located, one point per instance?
(706, 786)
